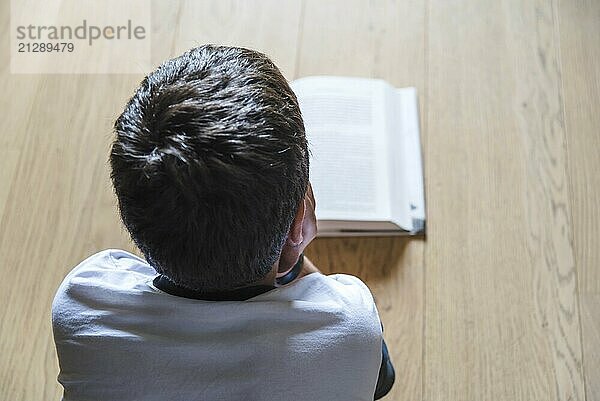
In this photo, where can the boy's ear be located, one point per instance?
(295, 236)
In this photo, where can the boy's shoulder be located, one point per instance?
(110, 268)
(109, 262)
(349, 287)
(117, 277)
(345, 294)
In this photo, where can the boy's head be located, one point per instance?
(210, 165)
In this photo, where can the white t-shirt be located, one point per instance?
(120, 338)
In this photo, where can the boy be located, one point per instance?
(210, 170)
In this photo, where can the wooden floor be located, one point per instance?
(500, 302)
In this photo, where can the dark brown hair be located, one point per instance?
(209, 165)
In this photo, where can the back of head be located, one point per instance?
(209, 165)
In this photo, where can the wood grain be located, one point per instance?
(580, 61)
(550, 240)
(11, 158)
(580, 51)
(270, 26)
(390, 46)
(502, 319)
(590, 318)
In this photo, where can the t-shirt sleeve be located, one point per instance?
(363, 330)
(358, 296)
(358, 292)
(343, 292)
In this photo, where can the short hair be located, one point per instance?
(209, 166)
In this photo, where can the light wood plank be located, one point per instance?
(47, 226)
(270, 26)
(379, 39)
(11, 138)
(580, 57)
(10, 157)
(550, 240)
(590, 318)
(502, 321)
(580, 51)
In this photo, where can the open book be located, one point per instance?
(365, 159)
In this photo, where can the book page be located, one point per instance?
(406, 174)
(344, 121)
(413, 164)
